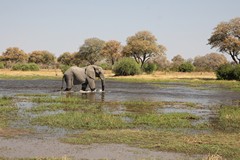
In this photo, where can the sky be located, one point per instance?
(58, 26)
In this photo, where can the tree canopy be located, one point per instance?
(226, 37)
(209, 62)
(142, 46)
(66, 58)
(91, 50)
(14, 55)
(177, 61)
(112, 50)
(41, 57)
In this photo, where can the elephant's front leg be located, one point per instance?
(92, 85)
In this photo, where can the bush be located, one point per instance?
(236, 72)
(33, 67)
(25, 67)
(186, 67)
(225, 72)
(149, 68)
(1, 65)
(125, 67)
(106, 66)
(63, 68)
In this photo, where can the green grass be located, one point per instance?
(100, 120)
(92, 108)
(151, 107)
(227, 145)
(83, 114)
(5, 101)
(196, 83)
(77, 120)
(169, 120)
(7, 111)
(140, 124)
(229, 118)
(61, 99)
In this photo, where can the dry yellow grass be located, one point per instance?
(168, 75)
(10, 132)
(108, 74)
(42, 72)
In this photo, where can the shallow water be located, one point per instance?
(44, 140)
(127, 91)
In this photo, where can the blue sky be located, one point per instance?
(182, 26)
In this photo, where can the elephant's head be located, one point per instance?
(94, 71)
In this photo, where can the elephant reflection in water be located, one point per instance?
(83, 76)
(91, 96)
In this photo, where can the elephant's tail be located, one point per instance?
(62, 82)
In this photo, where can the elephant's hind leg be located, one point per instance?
(84, 86)
(69, 83)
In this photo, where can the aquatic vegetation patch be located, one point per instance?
(134, 114)
(77, 120)
(92, 108)
(169, 120)
(229, 118)
(7, 111)
(226, 145)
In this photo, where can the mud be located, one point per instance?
(32, 147)
(44, 143)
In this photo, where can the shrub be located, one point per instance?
(149, 68)
(106, 66)
(186, 67)
(125, 67)
(33, 67)
(1, 65)
(225, 72)
(236, 72)
(63, 68)
(25, 67)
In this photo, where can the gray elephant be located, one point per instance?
(84, 76)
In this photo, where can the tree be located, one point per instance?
(177, 61)
(91, 50)
(142, 46)
(186, 67)
(161, 61)
(226, 37)
(66, 59)
(41, 57)
(126, 66)
(14, 55)
(209, 62)
(112, 50)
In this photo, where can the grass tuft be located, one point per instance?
(226, 144)
(7, 111)
(77, 120)
(229, 118)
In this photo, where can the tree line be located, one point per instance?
(142, 47)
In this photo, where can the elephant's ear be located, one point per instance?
(90, 72)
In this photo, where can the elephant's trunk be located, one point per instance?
(103, 81)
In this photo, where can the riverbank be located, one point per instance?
(56, 73)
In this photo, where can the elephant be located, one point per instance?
(84, 76)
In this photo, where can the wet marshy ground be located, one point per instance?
(125, 99)
(205, 97)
